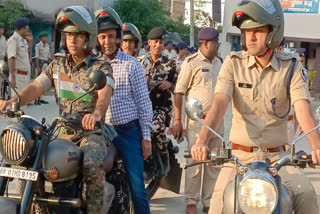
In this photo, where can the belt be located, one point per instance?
(22, 72)
(252, 149)
(290, 117)
(129, 125)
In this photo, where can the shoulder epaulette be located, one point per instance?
(191, 57)
(239, 54)
(285, 55)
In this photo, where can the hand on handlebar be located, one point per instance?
(199, 152)
(3, 105)
(89, 121)
(315, 154)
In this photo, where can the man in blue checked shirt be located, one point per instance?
(130, 110)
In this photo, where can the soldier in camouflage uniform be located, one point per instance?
(161, 76)
(78, 28)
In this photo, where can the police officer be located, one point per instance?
(182, 54)
(161, 76)
(197, 79)
(18, 55)
(42, 51)
(255, 80)
(132, 40)
(3, 42)
(169, 51)
(79, 36)
(145, 50)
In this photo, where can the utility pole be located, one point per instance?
(191, 23)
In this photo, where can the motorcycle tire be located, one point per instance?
(152, 187)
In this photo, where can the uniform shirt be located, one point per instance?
(17, 47)
(179, 62)
(42, 51)
(197, 79)
(3, 48)
(170, 54)
(79, 74)
(163, 69)
(143, 52)
(130, 100)
(252, 88)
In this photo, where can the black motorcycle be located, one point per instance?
(162, 169)
(50, 167)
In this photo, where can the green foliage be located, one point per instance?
(146, 14)
(9, 13)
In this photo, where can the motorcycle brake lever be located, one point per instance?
(197, 163)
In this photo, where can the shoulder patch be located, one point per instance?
(304, 74)
(284, 55)
(239, 54)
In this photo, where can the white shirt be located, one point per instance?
(3, 47)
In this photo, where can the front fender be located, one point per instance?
(8, 205)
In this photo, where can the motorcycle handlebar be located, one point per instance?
(187, 154)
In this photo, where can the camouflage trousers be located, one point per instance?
(94, 149)
(161, 120)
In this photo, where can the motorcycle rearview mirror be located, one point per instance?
(194, 111)
(97, 81)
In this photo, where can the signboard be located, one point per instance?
(300, 6)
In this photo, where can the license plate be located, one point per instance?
(19, 173)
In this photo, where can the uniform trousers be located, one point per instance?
(21, 82)
(300, 188)
(193, 175)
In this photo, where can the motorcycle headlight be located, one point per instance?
(16, 142)
(258, 193)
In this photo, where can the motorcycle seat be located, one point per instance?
(110, 158)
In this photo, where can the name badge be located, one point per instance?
(245, 85)
(205, 69)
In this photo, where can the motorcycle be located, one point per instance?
(49, 167)
(162, 169)
(241, 195)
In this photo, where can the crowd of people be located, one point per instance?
(148, 81)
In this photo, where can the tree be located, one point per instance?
(146, 14)
(9, 13)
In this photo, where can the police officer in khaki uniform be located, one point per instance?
(42, 51)
(18, 55)
(197, 79)
(255, 80)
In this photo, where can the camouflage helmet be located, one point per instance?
(108, 18)
(75, 19)
(258, 13)
(131, 32)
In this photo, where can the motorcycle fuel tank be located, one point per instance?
(63, 157)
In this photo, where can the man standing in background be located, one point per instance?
(42, 57)
(2, 42)
(197, 79)
(18, 55)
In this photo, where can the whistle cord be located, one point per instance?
(273, 101)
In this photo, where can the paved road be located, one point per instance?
(166, 202)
